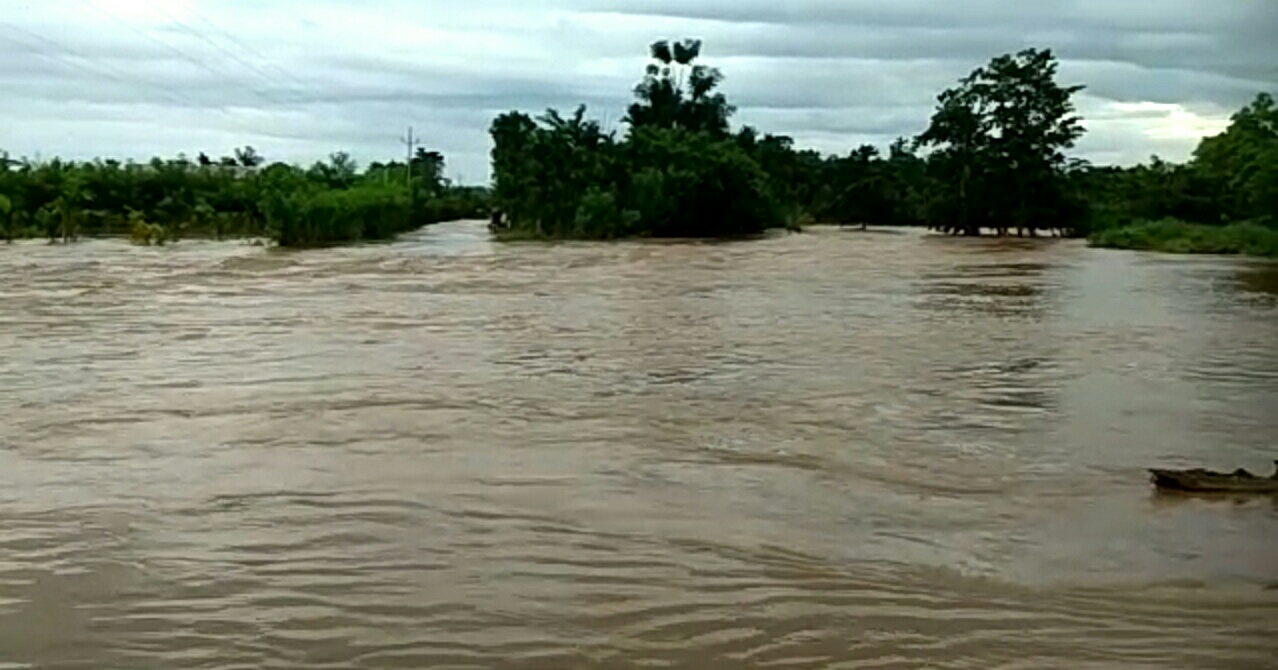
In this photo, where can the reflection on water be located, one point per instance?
(819, 450)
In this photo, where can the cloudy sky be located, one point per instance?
(299, 79)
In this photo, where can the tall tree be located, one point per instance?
(999, 139)
(679, 93)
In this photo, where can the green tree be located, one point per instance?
(514, 135)
(428, 166)
(677, 92)
(998, 142)
(677, 174)
(248, 157)
(339, 172)
(179, 197)
(1241, 164)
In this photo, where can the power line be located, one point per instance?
(96, 67)
(300, 84)
(225, 51)
(210, 24)
(172, 49)
(302, 91)
(102, 68)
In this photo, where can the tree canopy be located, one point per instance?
(999, 139)
(1240, 166)
(677, 173)
(993, 158)
(1231, 178)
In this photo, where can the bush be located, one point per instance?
(324, 218)
(146, 234)
(1174, 236)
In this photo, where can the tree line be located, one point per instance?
(1224, 199)
(991, 160)
(162, 201)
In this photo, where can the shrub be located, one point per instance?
(146, 234)
(1174, 236)
(328, 217)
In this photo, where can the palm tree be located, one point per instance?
(677, 93)
(248, 157)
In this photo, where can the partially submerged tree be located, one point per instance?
(62, 200)
(999, 139)
(677, 173)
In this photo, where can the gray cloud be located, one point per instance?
(299, 79)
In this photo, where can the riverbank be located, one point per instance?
(1178, 237)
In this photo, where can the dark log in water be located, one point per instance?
(1206, 481)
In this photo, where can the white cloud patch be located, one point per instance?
(299, 79)
(1172, 121)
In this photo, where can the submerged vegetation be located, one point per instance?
(164, 201)
(1174, 236)
(991, 160)
(678, 173)
(994, 162)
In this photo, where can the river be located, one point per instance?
(829, 450)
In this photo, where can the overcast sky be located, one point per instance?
(299, 79)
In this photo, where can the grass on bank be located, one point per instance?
(1178, 237)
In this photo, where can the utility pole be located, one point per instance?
(412, 146)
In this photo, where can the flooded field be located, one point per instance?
(828, 450)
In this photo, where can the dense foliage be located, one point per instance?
(999, 139)
(676, 174)
(992, 159)
(680, 171)
(1174, 236)
(1232, 177)
(165, 200)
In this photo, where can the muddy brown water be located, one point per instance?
(827, 450)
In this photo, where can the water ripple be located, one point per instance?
(824, 450)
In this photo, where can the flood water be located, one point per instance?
(828, 450)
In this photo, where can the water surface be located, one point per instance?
(827, 450)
